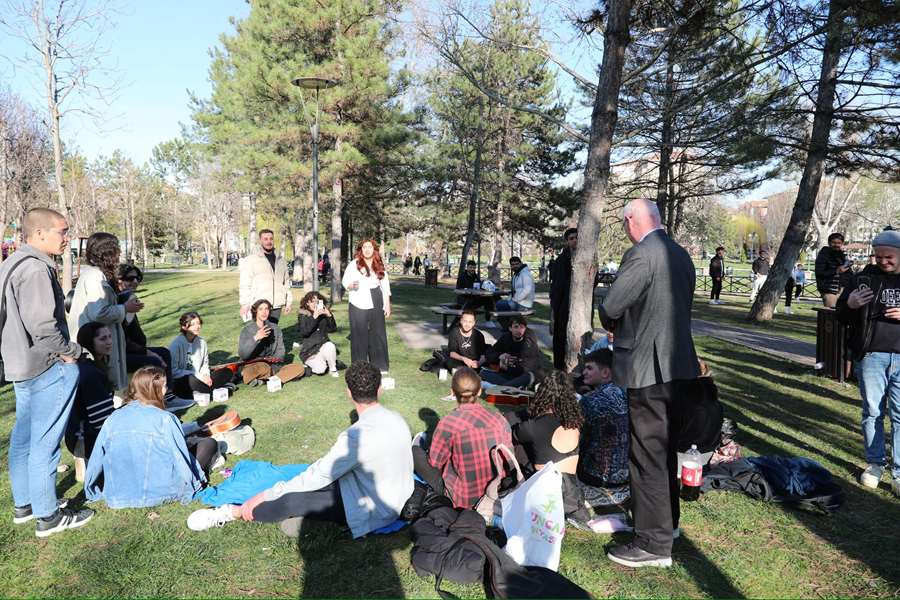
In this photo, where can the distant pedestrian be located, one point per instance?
(39, 358)
(760, 268)
(717, 273)
(417, 266)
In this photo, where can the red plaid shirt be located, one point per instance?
(461, 448)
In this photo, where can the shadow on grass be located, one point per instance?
(703, 571)
(859, 529)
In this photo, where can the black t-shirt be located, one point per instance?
(270, 256)
(471, 347)
(886, 332)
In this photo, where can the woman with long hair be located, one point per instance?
(141, 457)
(94, 399)
(552, 434)
(370, 304)
(314, 323)
(137, 353)
(95, 299)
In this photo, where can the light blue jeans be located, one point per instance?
(879, 384)
(43, 405)
(509, 305)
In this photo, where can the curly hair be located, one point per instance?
(255, 307)
(377, 263)
(363, 380)
(102, 251)
(556, 395)
(304, 304)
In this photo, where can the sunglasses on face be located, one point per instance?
(132, 278)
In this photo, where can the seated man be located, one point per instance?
(517, 356)
(261, 340)
(522, 286)
(363, 481)
(604, 439)
(468, 278)
(466, 344)
(458, 463)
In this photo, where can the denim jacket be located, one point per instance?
(143, 458)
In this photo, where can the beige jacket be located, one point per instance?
(95, 300)
(259, 282)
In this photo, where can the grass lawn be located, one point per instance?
(731, 546)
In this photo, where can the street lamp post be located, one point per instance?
(315, 83)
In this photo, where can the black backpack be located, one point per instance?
(504, 578)
(3, 310)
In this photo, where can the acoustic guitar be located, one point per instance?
(226, 422)
(234, 366)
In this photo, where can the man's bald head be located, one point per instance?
(641, 216)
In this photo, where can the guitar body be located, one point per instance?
(234, 366)
(226, 422)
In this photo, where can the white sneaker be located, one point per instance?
(218, 463)
(713, 302)
(335, 374)
(295, 345)
(871, 477)
(788, 310)
(206, 518)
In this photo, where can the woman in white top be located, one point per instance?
(370, 304)
(190, 361)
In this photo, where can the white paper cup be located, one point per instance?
(201, 399)
(442, 374)
(220, 395)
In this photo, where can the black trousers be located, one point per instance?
(716, 288)
(652, 461)
(788, 291)
(204, 450)
(560, 324)
(368, 335)
(324, 504)
(423, 469)
(184, 387)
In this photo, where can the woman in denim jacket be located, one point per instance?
(141, 451)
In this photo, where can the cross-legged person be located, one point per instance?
(262, 341)
(190, 361)
(649, 310)
(465, 344)
(363, 481)
(370, 304)
(39, 359)
(517, 357)
(94, 400)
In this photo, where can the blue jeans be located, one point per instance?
(879, 384)
(43, 405)
(509, 305)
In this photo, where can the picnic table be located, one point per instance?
(479, 297)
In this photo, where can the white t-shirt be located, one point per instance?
(361, 297)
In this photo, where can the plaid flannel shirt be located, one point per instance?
(460, 448)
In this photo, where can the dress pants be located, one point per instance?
(652, 462)
(368, 335)
(560, 325)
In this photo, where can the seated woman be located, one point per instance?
(262, 339)
(603, 461)
(552, 433)
(94, 400)
(457, 463)
(465, 345)
(141, 458)
(137, 354)
(190, 361)
(314, 323)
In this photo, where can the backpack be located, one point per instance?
(3, 310)
(504, 578)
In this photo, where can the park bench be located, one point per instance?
(449, 310)
(508, 314)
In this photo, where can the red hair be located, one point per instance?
(377, 263)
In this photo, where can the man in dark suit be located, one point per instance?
(561, 278)
(648, 309)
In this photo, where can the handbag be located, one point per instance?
(489, 505)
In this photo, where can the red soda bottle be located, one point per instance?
(691, 475)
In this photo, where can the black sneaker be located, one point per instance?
(23, 514)
(64, 518)
(632, 556)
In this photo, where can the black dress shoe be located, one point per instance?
(632, 556)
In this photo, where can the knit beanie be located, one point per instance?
(891, 237)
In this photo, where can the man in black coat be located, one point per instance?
(716, 273)
(831, 266)
(561, 278)
(648, 308)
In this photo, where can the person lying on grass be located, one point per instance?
(362, 482)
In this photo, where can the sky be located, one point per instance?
(160, 50)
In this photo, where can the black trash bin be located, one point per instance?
(431, 277)
(831, 344)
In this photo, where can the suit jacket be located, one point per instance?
(649, 310)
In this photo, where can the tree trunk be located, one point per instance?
(665, 149)
(596, 177)
(473, 207)
(144, 245)
(795, 235)
(306, 248)
(251, 222)
(62, 205)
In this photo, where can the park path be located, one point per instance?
(783, 347)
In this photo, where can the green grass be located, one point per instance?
(801, 325)
(731, 546)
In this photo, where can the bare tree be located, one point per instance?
(65, 36)
(831, 207)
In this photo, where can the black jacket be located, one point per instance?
(760, 266)
(435, 549)
(466, 281)
(313, 333)
(859, 321)
(561, 278)
(828, 280)
(530, 357)
(716, 267)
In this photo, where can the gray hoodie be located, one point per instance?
(35, 333)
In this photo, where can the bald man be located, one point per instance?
(39, 358)
(649, 310)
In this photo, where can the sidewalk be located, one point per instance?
(780, 346)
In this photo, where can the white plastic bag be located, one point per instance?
(534, 520)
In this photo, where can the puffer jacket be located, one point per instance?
(259, 282)
(434, 536)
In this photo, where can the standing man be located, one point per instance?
(649, 309)
(831, 265)
(559, 297)
(716, 273)
(760, 268)
(870, 305)
(264, 276)
(40, 360)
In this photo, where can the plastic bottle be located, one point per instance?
(691, 475)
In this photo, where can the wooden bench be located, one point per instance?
(447, 311)
(496, 314)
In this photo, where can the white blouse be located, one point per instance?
(361, 297)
